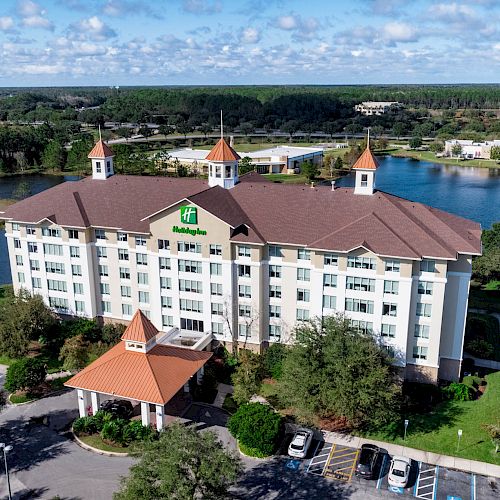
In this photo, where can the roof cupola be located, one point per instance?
(101, 157)
(365, 167)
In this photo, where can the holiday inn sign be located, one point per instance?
(189, 215)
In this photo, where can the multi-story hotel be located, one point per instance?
(229, 258)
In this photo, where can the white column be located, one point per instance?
(94, 398)
(159, 417)
(83, 402)
(145, 415)
(199, 374)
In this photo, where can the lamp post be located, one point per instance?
(459, 436)
(406, 427)
(6, 449)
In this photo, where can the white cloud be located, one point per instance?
(302, 28)
(121, 8)
(92, 28)
(6, 23)
(452, 12)
(287, 22)
(40, 69)
(399, 32)
(250, 35)
(202, 6)
(33, 15)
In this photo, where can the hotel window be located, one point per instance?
(79, 306)
(215, 249)
(142, 279)
(54, 267)
(428, 266)
(32, 247)
(165, 283)
(243, 251)
(391, 287)
(215, 288)
(102, 252)
(419, 352)
(74, 252)
(15, 226)
(122, 254)
(53, 233)
(215, 269)
(34, 265)
(275, 271)
(104, 288)
(243, 330)
(275, 251)
(78, 288)
(359, 305)
(389, 309)
(303, 254)
(122, 237)
(274, 311)
(424, 310)
(245, 291)
(103, 271)
(163, 244)
(106, 306)
(275, 291)
(141, 259)
(191, 266)
(57, 286)
(331, 259)
(364, 180)
(19, 260)
(425, 287)
(167, 320)
(124, 273)
(362, 326)
(388, 330)
(329, 302)
(217, 328)
(303, 295)
(30, 230)
(146, 313)
(17, 243)
(421, 331)
(191, 305)
(50, 249)
(216, 308)
(194, 325)
(218, 171)
(244, 311)
(361, 262)
(143, 297)
(186, 246)
(166, 302)
(275, 333)
(392, 266)
(36, 282)
(243, 271)
(303, 274)
(127, 309)
(98, 167)
(72, 234)
(190, 286)
(302, 314)
(390, 351)
(140, 241)
(58, 303)
(361, 284)
(164, 263)
(330, 280)
(100, 234)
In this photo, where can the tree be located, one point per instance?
(182, 464)
(456, 150)
(273, 360)
(74, 353)
(339, 164)
(415, 142)
(495, 153)
(22, 191)
(112, 332)
(54, 156)
(205, 129)
(246, 128)
(398, 129)
(77, 158)
(245, 165)
(290, 127)
(437, 147)
(309, 169)
(487, 266)
(494, 433)
(25, 374)
(166, 130)
(248, 376)
(125, 132)
(146, 132)
(335, 370)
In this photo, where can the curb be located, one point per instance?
(87, 447)
(51, 394)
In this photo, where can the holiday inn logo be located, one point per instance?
(189, 215)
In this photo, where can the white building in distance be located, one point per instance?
(370, 108)
(471, 149)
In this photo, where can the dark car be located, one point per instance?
(367, 461)
(120, 408)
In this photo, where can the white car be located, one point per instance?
(301, 442)
(399, 472)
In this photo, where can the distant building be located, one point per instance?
(471, 149)
(369, 108)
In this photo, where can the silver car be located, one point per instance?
(301, 442)
(399, 472)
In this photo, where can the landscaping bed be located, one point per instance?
(43, 390)
(482, 336)
(95, 441)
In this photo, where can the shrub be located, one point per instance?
(113, 430)
(100, 418)
(480, 348)
(257, 427)
(459, 392)
(26, 373)
(112, 332)
(273, 360)
(135, 431)
(84, 425)
(74, 353)
(248, 376)
(472, 381)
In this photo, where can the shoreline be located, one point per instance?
(419, 156)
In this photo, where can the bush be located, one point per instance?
(135, 431)
(84, 425)
(273, 360)
(26, 373)
(480, 348)
(472, 381)
(74, 353)
(248, 376)
(257, 427)
(112, 332)
(113, 430)
(459, 392)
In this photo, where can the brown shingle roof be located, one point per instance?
(366, 161)
(140, 328)
(100, 150)
(222, 151)
(154, 377)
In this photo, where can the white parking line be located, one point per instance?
(473, 487)
(426, 485)
(313, 457)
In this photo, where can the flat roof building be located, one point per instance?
(471, 149)
(243, 260)
(370, 108)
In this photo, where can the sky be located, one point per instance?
(236, 42)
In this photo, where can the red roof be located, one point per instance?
(222, 151)
(140, 329)
(366, 161)
(101, 150)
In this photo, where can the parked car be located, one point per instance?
(399, 472)
(120, 408)
(367, 460)
(301, 442)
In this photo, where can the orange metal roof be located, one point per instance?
(222, 151)
(366, 161)
(100, 150)
(153, 377)
(140, 329)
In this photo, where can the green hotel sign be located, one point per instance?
(189, 215)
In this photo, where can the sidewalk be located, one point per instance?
(463, 464)
(222, 391)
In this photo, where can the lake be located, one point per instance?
(469, 192)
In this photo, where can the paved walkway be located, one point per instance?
(462, 464)
(222, 391)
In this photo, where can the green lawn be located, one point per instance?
(430, 156)
(437, 430)
(95, 441)
(21, 398)
(285, 178)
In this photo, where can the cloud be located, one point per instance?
(33, 16)
(92, 28)
(121, 8)
(6, 23)
(399, 32)
(202, 6)
(250, 35)
(302, 28)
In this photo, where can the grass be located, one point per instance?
(485, 327)
(436, 431)
(230, 404)
(489, 300)
(96, 441)
(288, 179)
(5, 360)
(430, 156)
(269, 391)
(492, 286)
(58, 383)
(21, 398)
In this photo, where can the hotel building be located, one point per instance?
(242, 259)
